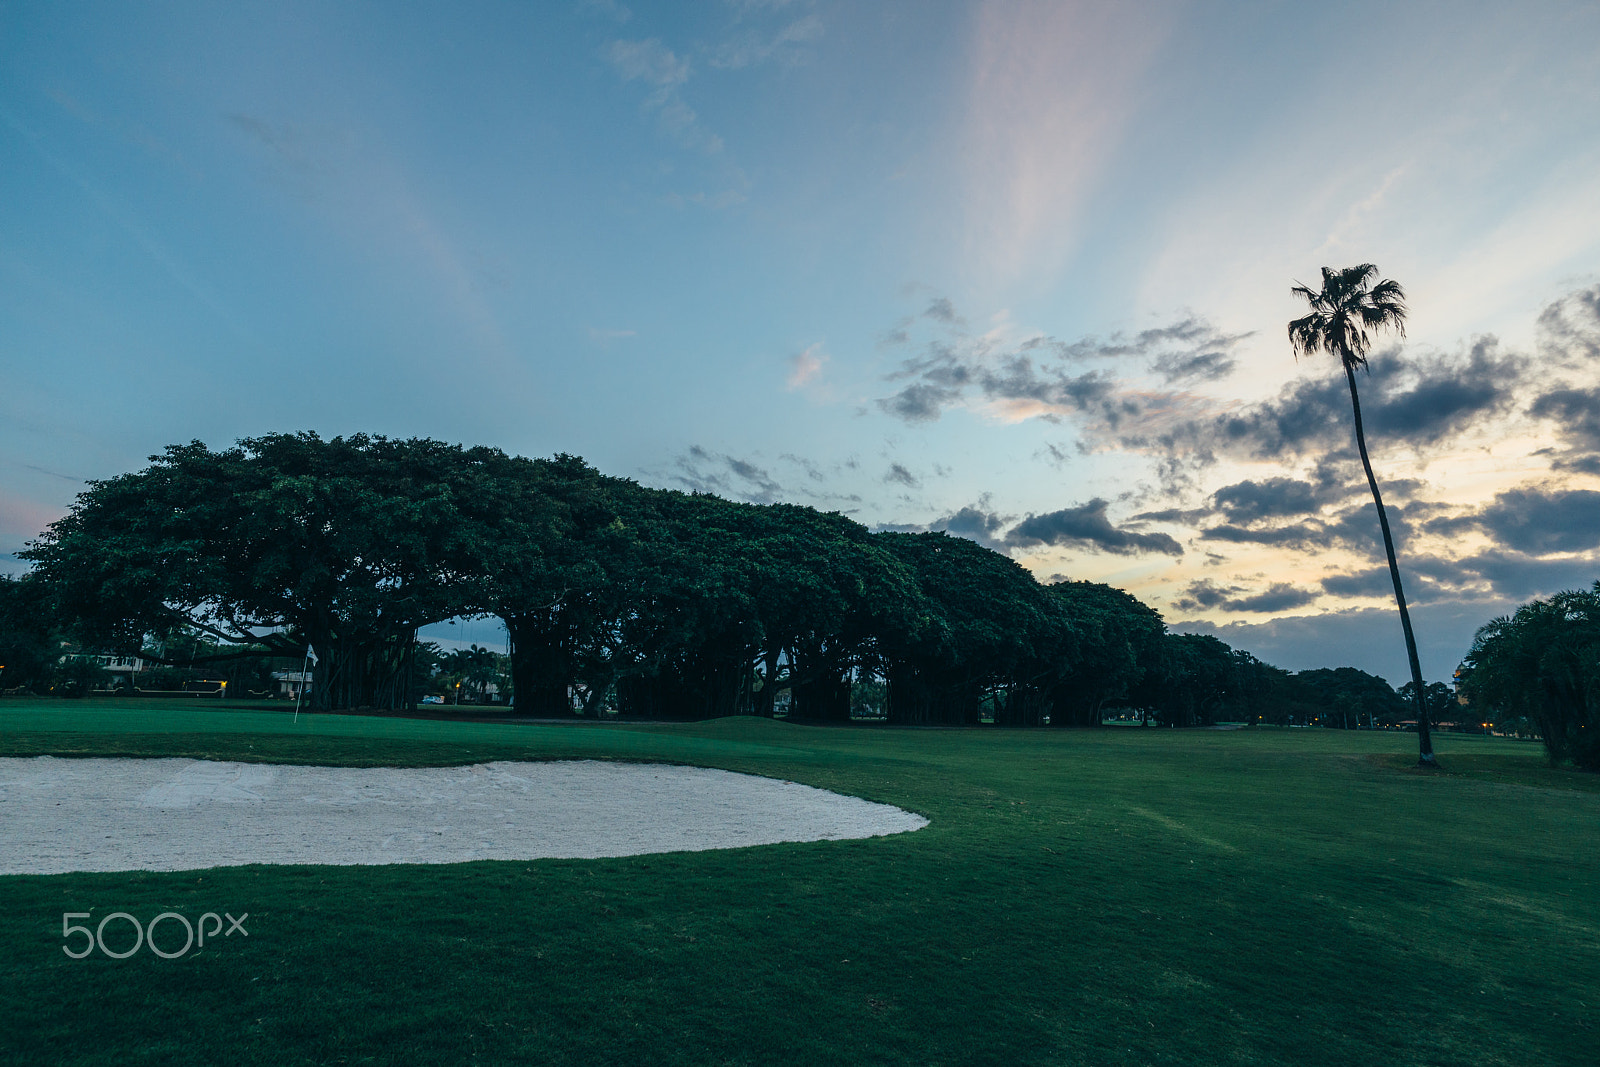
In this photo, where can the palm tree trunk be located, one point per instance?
(1424, 739)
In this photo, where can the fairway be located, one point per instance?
(1080, 896)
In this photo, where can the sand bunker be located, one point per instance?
(59, 815)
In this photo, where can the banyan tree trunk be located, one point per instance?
(826, 698)
(542, 667)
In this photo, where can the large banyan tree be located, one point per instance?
(671, 605)
(282, 542)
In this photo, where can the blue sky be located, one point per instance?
(1019, 270)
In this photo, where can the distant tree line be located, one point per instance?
(661, 604)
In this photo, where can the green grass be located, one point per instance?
(1097, 897)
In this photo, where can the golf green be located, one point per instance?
(1098, 896)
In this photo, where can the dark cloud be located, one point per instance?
(1299, 535)
(1251, 501)
(1087, 526)
(975, 524)
(1371, 582)
(1450, 525)
(1580, 464)
(1279, 596)
(725, 475)
(941, 310)
(1203, 594)
(898, 474)
(1540, 522)
(1414, 401)
(1184, 515)
(1355, 528)
(1497, 574)
(1522, 577)
(1206, 594)
(919, 403)
(1425, 579)
(1424, 401)
(1576, 414)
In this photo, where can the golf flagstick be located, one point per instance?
(311, 658)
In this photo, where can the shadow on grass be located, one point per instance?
(1515, 768)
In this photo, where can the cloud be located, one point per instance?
(1427, 402)
(975, 523)
(753, 46)
(1251, 501)
(1087, 526)
(1417, 401)
(648, 61)
(900, 475)
(1426, 579)
(919, 403)
(1374, 581)
(805, 366)
(812, 471)
(600, 336)
(1575, 415)
(1365, 637)
(1569, 329)
(653, 63)
(1042, 376)
(725, 475)
(1522, 577)
(1355, 528)
(1535, 520)
(1188, 367)
(1298, 535)
(1541, 522)
(1495, 573)
(1206, 594)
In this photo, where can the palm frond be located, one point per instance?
(1306, 335)
(1346, 312)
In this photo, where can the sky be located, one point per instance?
(1016, 270)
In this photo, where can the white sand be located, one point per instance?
(59, 815)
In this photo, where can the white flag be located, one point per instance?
(311, 655)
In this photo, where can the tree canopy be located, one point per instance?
(1543, 664)
(660, 603)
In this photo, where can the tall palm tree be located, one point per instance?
(1344, 316)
